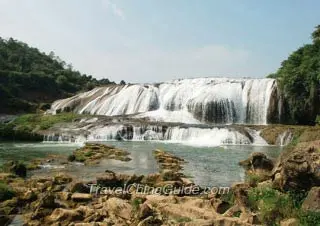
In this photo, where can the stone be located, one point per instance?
(65, 216)
(40, 213)
(16, 168)
(297, 170)
(145, 211)
(81, 197)
(186, 181)
(64, 196)
(240, 191)
(150, 221)
(78, 187)
(290, 222)
(119, 208)
(257, 161)
(62, 179)
(109, 179)
(169, 175)
(92, 154)
(7, 176)
(312, 201)
(47, 201)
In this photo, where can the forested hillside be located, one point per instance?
(299, 80)
(30, 79)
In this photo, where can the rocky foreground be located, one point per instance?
(167, 197)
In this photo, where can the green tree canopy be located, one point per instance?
(299, 81)
(29, 77)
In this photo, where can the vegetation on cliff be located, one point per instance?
(299, 81)
(29, 77)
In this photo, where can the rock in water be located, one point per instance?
(257, 161)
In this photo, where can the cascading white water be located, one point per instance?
(206, 137)
(285, 138)
(187, 135)
(217, 100)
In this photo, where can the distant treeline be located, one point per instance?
(30, 79)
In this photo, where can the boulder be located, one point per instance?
(119, 208)
(29, 196)
(150, 221)
(81, 197)
(169, 175)
(145, 211)
(16, 168)
(112, 180)
(289, 222)
(297, 170)
(78, 187)
(65, 216)
(312, 201)
(109, 179)
(257, 162)
(62, 178)
(240, 191)
(47, 201)
(64, 196)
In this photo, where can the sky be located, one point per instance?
(158, 40)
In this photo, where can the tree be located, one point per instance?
(316, 34)
(29, 77)
(298, 79)
(122, 82)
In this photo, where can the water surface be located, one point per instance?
(208, 166)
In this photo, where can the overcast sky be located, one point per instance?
(158, 40)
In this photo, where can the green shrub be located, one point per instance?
(309, 218)
(136, 203)
(5, 192)
(272, 205)
(253, 179)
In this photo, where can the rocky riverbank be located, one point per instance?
(284, 192)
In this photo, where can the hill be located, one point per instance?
(30, 79)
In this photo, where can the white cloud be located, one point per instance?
(115, 9)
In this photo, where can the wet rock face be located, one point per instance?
(273, 114)
(299, 169)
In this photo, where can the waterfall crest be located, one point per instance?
(200, 100)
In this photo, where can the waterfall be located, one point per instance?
(284, 138)
(200, 100)
(206, 137)
(189, 135)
